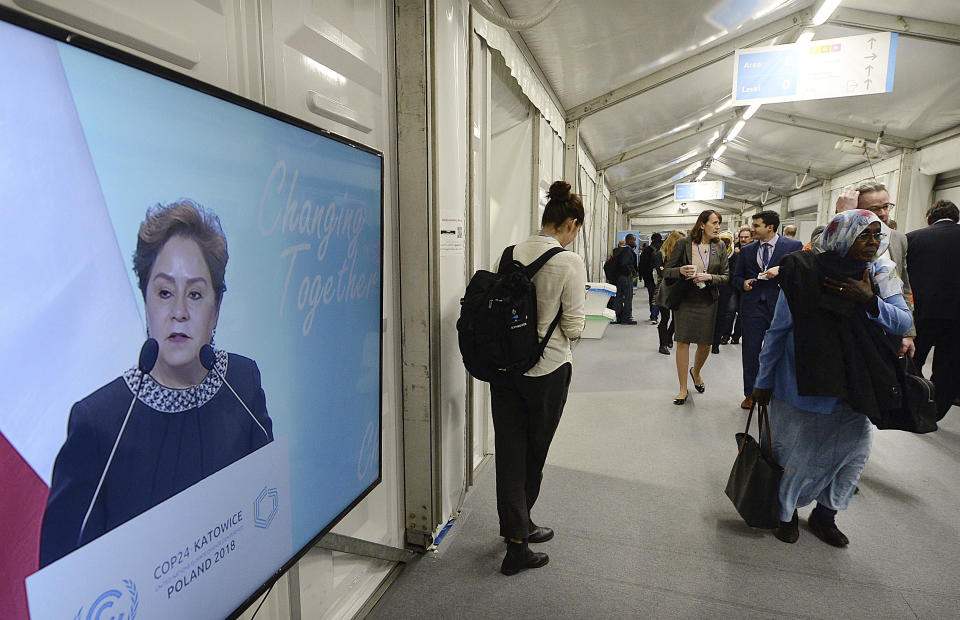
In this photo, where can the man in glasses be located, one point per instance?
(873, 196)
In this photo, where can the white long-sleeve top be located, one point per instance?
(562, 280)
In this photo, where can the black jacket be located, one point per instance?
(933, 275)
(839, 351)
(625, 260)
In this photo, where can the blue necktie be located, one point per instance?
(765, 255)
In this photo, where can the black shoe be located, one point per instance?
(664, 349)
(680, 401)
(519, 557)
(700, 388)
(629, 322)
(725, 340)
(825, 528)
(788, 531)
(715, 348)
(734, 341)
(540, 534)
(537, 534)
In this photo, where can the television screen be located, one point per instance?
(191, 335)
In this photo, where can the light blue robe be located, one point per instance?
(821, 442)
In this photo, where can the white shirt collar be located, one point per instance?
(945, 219)
(773, 240)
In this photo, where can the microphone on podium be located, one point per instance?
(148, 359)
(208, 358)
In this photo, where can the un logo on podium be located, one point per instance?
(114, 604)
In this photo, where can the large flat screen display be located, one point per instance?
(191, 349)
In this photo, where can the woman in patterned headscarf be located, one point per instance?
(848, 302)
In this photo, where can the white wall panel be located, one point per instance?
(510, 163)
(324, 62)
(479, 226)
(510, 176)
(210, 40)
(452, 140)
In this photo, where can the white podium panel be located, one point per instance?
(197, 555)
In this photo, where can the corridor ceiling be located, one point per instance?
(650, 83)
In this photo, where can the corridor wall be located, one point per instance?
(510, 164)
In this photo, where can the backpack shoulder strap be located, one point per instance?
(553, 325)
(506, 259)
(535, 266)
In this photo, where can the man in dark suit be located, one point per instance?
(758, 277)
(625, 262)
(936, 296)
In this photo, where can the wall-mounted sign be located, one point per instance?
(844, 67)
(453, 241)
(701, 190)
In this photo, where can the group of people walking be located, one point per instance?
(821, 329)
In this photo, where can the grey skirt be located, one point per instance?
(695, 318)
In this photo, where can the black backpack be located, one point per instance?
(610, 270)
(497, 327)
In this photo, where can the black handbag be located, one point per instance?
(673, 291)
(918, 410)
(754, 481)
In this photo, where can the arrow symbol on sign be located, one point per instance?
(871, 41)
(868, 82)
(869, 69)
(872, 56)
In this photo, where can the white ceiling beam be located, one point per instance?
(698, 61)
(651, 190)
(653, 144)
(649, 206)
(629, 202)
(792, 120)
(939, 137)
(764, 162)
(721, 206)
(662, 170)
(756, 185)
(640, 203)
(907, 26)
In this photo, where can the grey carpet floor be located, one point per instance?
(634, 490)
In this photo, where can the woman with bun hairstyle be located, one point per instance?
(527, 408)
(700, 263)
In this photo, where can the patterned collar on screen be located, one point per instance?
(170, 400)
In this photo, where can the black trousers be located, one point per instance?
(624, 307)
(726, 309)
(665, 328)
(526, 412)
(651, 287)
(944, 336)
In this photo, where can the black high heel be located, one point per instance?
(700, 388)
(680, 401)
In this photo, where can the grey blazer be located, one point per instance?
(717, 265)
(898, 254)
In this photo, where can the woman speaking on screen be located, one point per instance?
(146, 436)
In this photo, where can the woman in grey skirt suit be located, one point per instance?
(701, 261)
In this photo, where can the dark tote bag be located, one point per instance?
(673, 291)
(918, 411)
(755, 478)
